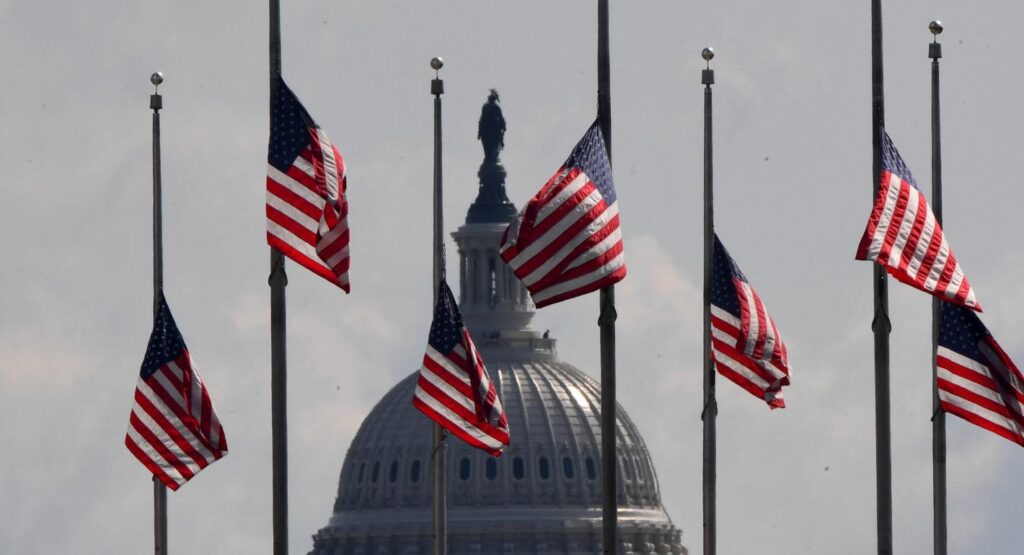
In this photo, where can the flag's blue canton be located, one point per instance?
(893, 162)
(289, 128)
(723, 290)
(165, 343)
(446, 329)
(961, 330)
(591, 156)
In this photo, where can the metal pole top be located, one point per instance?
(155, 100)
(707, 77)
(935, 49)
(437, 84)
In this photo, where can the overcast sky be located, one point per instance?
(793, 192)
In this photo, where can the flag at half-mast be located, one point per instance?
(904, 237)
(745, 342)
(307, 210)
(454, 388)
(566, 241)
(976, 380)
(173, 429)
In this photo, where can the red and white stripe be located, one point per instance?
(747, 356)
(445, 393)
(566, 241)
(968, 389)
(903, 236)
(307, 211)
(173, 429)
(761, 337)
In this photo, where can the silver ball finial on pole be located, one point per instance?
(935, 49)
(708, 53)
(708, 75)
(156, 102)
(437, 63)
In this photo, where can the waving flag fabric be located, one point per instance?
(307, 212)
(976, 380)
(566, 241)
(903, 236)
(173, 429)
(454, 388)
(745, 343)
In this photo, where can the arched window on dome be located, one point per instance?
(464, 469)
(376, 472)
(362, 467)
(414, 471)
(567, 468)
(491, 468)
(518, 468)
(591, 469)
(393, 472)
(543, 468)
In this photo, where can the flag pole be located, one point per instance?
(880, 324)
(440, 436)
(938, 415)
(278, 355)
(608, 315)
(156, 102)
(710, 410)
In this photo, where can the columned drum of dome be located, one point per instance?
(543, 495)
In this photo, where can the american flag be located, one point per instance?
(976, 380)
(903, 236)
(307, 211)
(566, 241)
(745, 343)
(454, 388)
(173, 429)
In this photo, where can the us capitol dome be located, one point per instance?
(543, 495)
